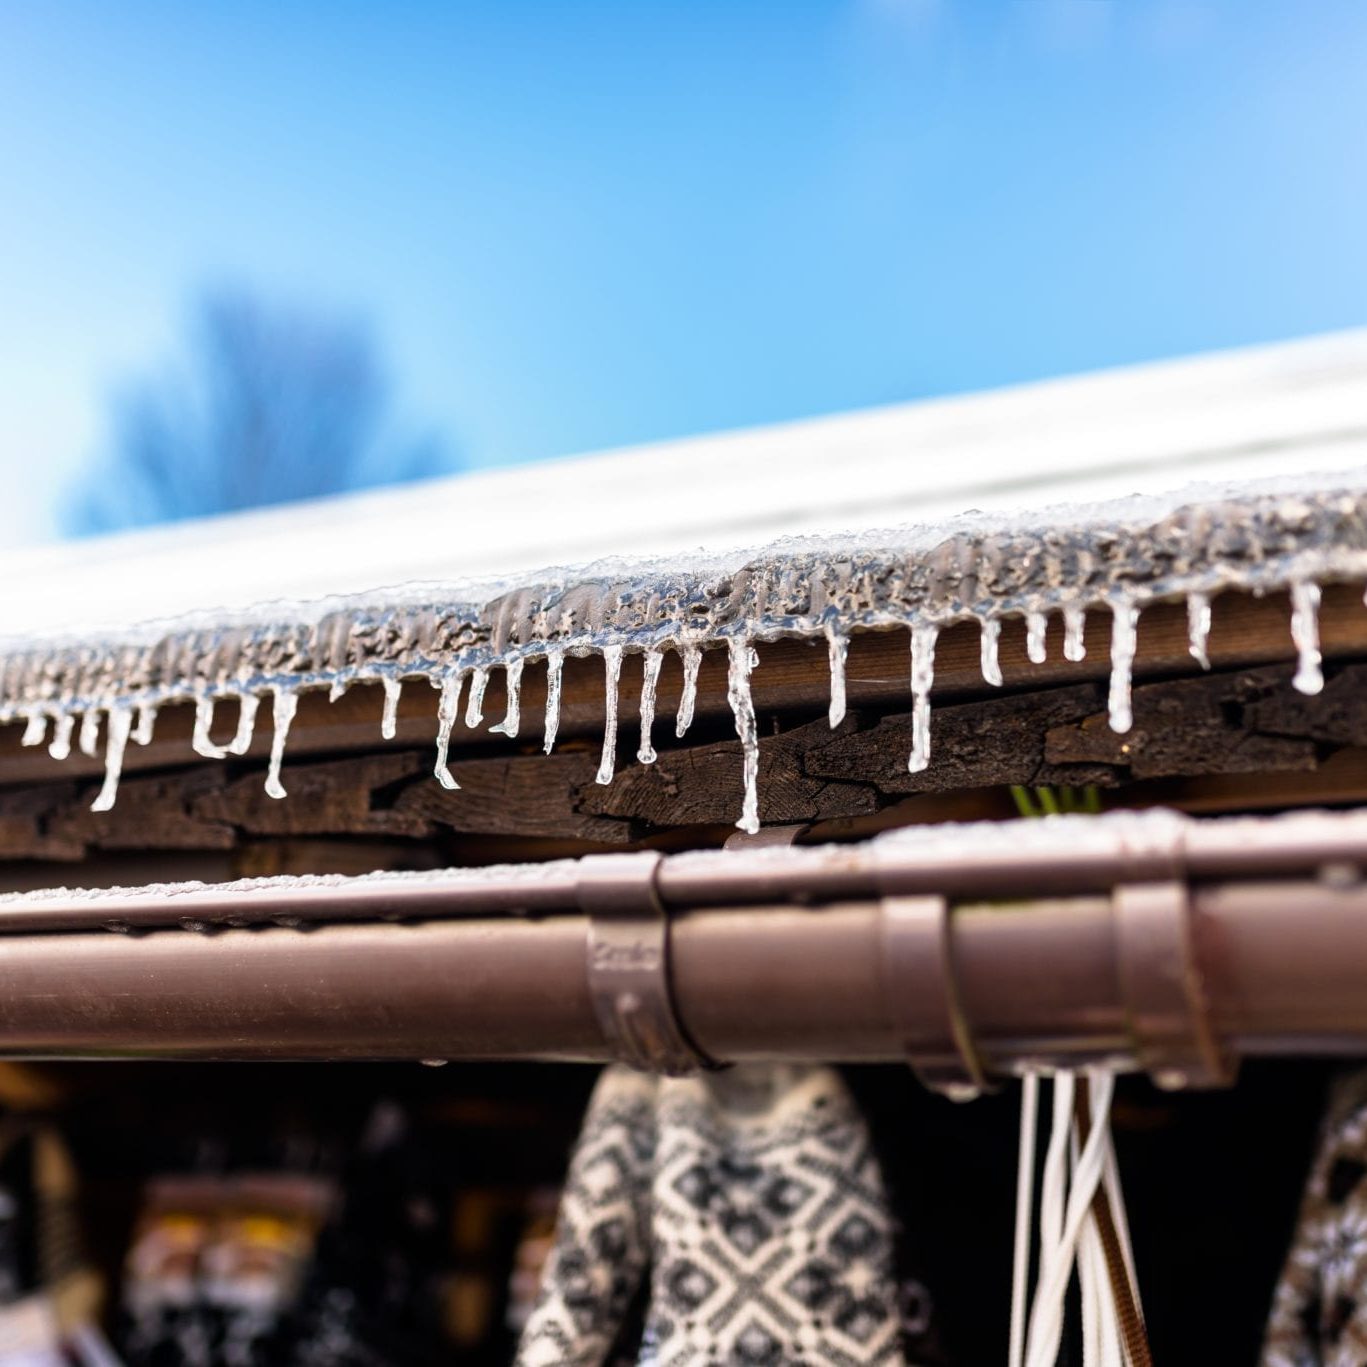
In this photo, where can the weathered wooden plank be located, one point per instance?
(1232, 723)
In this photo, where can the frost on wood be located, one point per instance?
(1114, 560)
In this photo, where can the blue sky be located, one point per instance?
(584, 225)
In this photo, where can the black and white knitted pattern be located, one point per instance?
(754, 1199)
(1319, 1312)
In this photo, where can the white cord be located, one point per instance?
(1025, 1201)
(1056, 1268)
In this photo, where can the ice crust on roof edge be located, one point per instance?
(1115, 558)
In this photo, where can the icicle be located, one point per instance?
(200, 741)
(61, 736)
(339, 687)
(89, 739)
(691, 656)
(147, 721)
(1124, 639)
(474, 707)
(923, 636)
(389, 721)
(1074, 632)
(115, 742)
(1036, 627)
(650, 678)
(35, 729)
(742, 658)
(555, 667)
(1198, 628)
(987, 651)
(448, 709)
(247, 705)
(612, 670)
(513, 687)
(839, 648)
(286, 703)
(1305, 632)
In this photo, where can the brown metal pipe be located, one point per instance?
(1283, 965)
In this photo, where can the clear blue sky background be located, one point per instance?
(577, 225)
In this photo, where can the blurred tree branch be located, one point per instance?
(273, 404)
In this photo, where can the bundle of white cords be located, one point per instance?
(1068, 1233)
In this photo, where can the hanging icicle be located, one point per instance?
(115, 742)
(742, 658)
(61, 736)
(691, 656)
(923, 636)
(1074, 633)
(474, 707)
(612, 671)
(146, 724)
(247, 707)
(339, 687)
(987, 651)
(650, 679)
(512, 718)
(839, 646)
(35, 729)
(555, 669)
(1036, 631)
(200, 741)
(88, 740)
(389, 721)
(1198, 628)
(1305, 634)
(286, 704)
(1124, 641)
(448, 709)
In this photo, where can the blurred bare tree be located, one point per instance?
(272, 404)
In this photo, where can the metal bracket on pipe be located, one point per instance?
(921, 988)
(1161, 987)
(628, 964)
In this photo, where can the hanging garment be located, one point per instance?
(1319, 1310)
(752, 1202)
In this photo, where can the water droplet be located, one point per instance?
(448, 709)
(389, 722)
(247, 704)
(512, 719)
(839, 645)
(116, 741)
(612, 670)
(987, 651)
(691, 656)
(1198, 628)
(555, 668)
(1305, 632)
(923, 637)
(474, 707)
(1036, 629)
(61, 736)
(1074, 633)
(741, 659)
(1124, 641)
(35, 729)
(650, 678)
(89, 739)
(286, 704)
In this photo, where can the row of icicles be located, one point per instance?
(129, 722)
